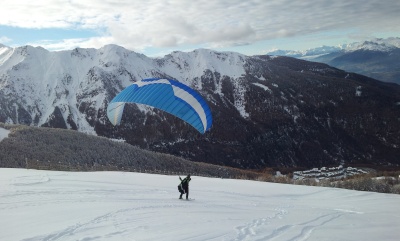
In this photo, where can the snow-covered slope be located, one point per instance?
(189, 66)
(47, 205)
(46, 80)
(81, 79)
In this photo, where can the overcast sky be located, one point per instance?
(158, 27)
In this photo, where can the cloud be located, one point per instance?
(68, 44)
(4, 39)
(139, 24)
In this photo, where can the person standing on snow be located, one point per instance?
(183, 187)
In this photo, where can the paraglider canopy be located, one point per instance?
(168, 95)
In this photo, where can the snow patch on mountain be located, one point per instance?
(263, 87)
(3, 133)
(358, 91)
(5, 53)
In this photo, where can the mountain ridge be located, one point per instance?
(267, 111)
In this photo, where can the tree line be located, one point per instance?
(61, 149)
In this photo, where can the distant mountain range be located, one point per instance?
(378, 58)
(268, 111)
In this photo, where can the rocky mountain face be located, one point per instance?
(378, 59)
(267, 111)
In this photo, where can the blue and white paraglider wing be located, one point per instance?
(168, 95)
(114, 112)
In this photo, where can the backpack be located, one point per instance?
(180, 189)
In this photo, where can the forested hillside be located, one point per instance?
(60, 149)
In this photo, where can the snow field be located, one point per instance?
(49, 205)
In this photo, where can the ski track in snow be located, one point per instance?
(250, 229)
(30, 180)
(301, 231)
(54, 206)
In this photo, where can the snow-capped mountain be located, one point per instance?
(73, 81)
(378, 44)
(267, 111)
(378, 58)
(306, 54)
